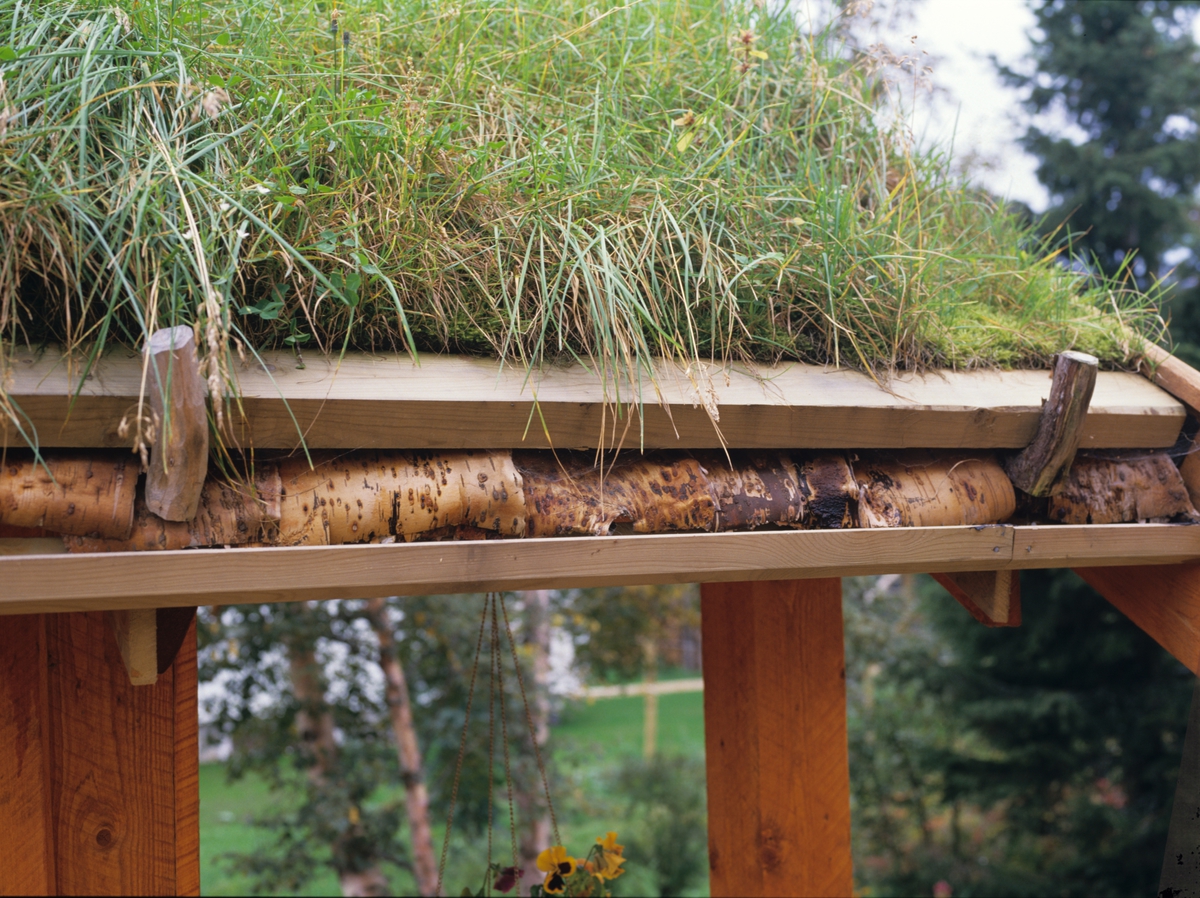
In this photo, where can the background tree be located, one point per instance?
(1117, 87)
(326, 748)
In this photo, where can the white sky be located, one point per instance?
(969, 105)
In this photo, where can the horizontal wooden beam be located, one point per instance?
(226, 576)
(460, 403)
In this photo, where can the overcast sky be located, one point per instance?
(969, 104)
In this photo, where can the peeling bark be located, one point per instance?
(567, 495)
(755, 491)
(86, 495)
(830, 492)
(363, 496)
(920, 489)
(1108, 491)
(230, 514)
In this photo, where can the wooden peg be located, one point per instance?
(992, 597)
(149, 639)
(179, 456)
(1040, 468)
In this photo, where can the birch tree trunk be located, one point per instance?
(314, 726)
(400, 710)
(533, 815)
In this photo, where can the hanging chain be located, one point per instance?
(462, 748)
(537, 751)
(508, 778)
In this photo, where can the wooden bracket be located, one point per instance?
(149, 639)
(1041, 467)
(179, 455)
(992, 597)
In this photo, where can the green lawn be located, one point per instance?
(590, 740)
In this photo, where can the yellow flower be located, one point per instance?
(608, 865)
(609, 843)
(557, 865)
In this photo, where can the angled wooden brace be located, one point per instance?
(149, 639)
(992, 597)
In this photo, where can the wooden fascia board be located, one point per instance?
(33, 583)
(458, 403)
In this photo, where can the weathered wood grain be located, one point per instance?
(98, 778)
(27, 844)
(179, 454)
(1095, 545)
(113, 766)
(187, 766)
(775, 737)
(1175, 376)
(459, 403)
(218, 576)
(1040, 467)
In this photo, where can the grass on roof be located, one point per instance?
(530, 179)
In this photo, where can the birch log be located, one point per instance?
(179, 453)
(89, 495)
(567, 495)
(920, 489)
(1115, 491)
(363, 496)
(229, 514)
(830, 492)
(756, 490)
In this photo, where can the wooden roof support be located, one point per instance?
(775, 738)
(149, 639)
(992, 597)
(98, 779)
(226, 576)
(373, 402)
(1164, 600)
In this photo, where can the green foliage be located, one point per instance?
(668, 840)
(436, 638)
(1127, 77)
(1031, 761)
(687, 178)
(342, 813)
(621, 632)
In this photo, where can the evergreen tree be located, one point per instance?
(1126, 78)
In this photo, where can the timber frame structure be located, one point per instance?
(98, 777)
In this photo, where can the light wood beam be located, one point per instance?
(123, 580)
(775, 736)
(458, 403)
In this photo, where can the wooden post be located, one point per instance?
(775, 733)
(98, 778)
(179, 455)
(1043, 465)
